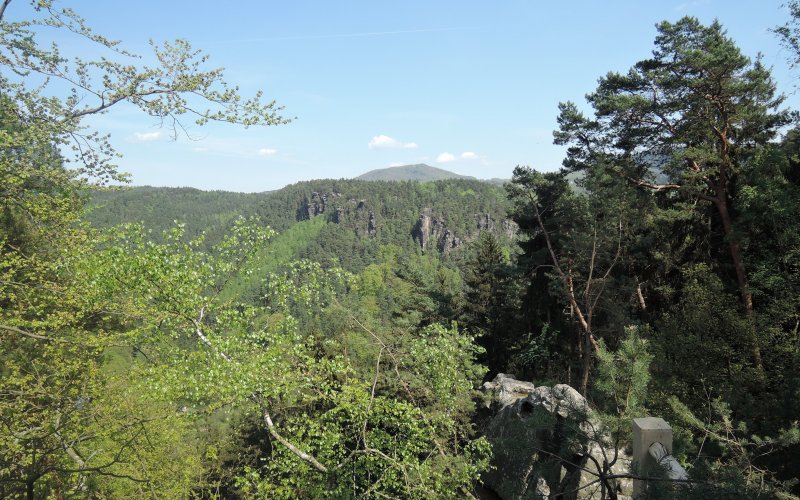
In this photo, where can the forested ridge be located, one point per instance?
(396, 205)
(328, 339)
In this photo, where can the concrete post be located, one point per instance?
(647, 431)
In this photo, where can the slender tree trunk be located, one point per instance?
(586, 341)
(721, 202)
(741, 275)
(587, 363)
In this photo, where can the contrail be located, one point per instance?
(337, 35)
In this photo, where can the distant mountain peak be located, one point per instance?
(418, 172)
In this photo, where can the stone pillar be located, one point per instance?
(646, 431)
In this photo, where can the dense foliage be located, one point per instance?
(137, 364)
(683, 227)
(202, 212)
(396, 205)
(306, 342)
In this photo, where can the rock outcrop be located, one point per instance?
(318, 204)
(485, 222)
(353, 213)
(431, 232)
(338, 216)
(510, 228)
(372, 227)
(423, 230)
(449, 242)
(547, 443)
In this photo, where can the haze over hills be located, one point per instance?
(419, 172)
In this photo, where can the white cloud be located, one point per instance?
(469, 155)
(146, 136)
(445, 158)
(266, 152)
(386, 142)
(687, 6)
(397, 164)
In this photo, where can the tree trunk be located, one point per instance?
(741, 275)
(587, 363)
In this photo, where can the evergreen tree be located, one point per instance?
(685, 122)
(489, 307)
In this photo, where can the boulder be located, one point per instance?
(545, 442)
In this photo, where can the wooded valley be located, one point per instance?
(330, 339)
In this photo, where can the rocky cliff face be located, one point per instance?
(317, 204)
(423, 230)
(547, 443)
(431, 232)
(485, 222)
(449, 242)
(510, 228)
(372, 227)
(352, 212)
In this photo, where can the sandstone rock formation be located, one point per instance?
(316, 205)
(547, 443)
(372, 227)
(510, 228)
(353, 213)
(423, 230)
(338, 217)
(449, 242)
(485, 222)
(431, 232)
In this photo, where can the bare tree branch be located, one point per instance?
(260, 401)
(14, 329)
(294, 449)
(655, 187)
(3, 8)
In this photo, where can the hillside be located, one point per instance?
(419, 172)
(157, 208)
(359, 216)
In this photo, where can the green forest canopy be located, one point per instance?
(213, 356)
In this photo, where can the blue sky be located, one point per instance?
(470, 86)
